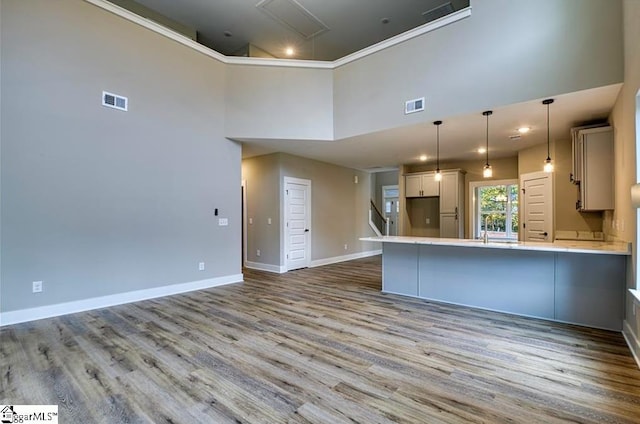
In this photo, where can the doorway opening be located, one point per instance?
(243, 227)
(391, 207)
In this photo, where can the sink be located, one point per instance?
(493, 241)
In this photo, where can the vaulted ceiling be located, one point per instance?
(332, 29)
(314, 29)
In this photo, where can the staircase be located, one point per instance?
(378, 223)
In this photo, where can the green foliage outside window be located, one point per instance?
(499, 203)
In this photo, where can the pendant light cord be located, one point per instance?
(437, 124)
(548, 102)
(548, 135)
(437, 147)
(487, 113)
(487, 146)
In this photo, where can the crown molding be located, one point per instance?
(287, 63)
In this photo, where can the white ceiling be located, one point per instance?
(460, 136)
(354, 25)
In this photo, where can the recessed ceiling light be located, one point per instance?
(524, 130)
(385, 20)
(423, 158)
(289, 51)
(482, 150)
(228, 34)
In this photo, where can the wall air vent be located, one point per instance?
(438, 12)
(413, 106)
(294, 16)
(115, 101)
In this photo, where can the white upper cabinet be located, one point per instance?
(593, 168)
(421, 185)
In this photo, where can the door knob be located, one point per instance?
(544, 234)
(306, 230)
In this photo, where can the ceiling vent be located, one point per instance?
(413, 106)
(115, 101)
(515, 137)
(294, 16)
(438, 12)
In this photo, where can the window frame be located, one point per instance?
(474, 212)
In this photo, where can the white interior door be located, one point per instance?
(537, 206)
(390, 207)
(297, 220)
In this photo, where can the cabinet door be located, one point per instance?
(596, 187)
(412, 186)
(449, 193)
(430, 187)
(449, 226)
(576, 154)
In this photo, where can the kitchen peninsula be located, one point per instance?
(575, 282)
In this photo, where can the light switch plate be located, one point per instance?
(223, 222)
(37, 286)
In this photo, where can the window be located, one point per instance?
(495, 204)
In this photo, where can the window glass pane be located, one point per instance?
(387, 206)
(498, 208)
(391, 192)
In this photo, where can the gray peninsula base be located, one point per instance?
(579, 288)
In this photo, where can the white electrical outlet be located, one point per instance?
(201, 266)
(346, 246)
(428, 220)
(223, 222)
(37, 286)
(258, 252)
(269, 221)
(250, 221)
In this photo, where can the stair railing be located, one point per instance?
(377, 221)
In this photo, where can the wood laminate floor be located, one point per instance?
(319, 345)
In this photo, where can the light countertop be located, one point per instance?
(569, 246)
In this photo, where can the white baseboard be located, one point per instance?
(32, 314)
(278, 269)
(336, 259)
(632, 341)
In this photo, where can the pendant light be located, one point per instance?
(487, 172)
(438, 175)
(548, 165)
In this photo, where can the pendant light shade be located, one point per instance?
(438, 175)
(487, 172)
(548, 164)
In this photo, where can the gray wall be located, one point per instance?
(262, 182)
(97, 201)
(545, 47)
(339, 207)
(625, 119)
(279, 103)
